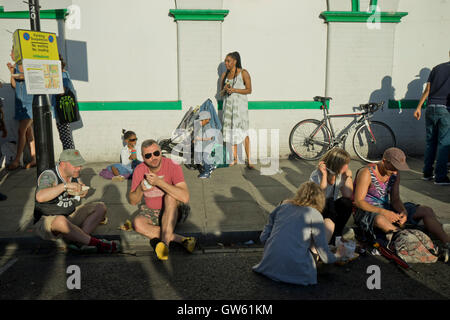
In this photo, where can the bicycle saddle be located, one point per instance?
(322, 99)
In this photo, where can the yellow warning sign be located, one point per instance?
(35, 45)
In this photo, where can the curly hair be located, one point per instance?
(309, 195)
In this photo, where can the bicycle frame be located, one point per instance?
(327, 122)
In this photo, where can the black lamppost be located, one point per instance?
(42, 116)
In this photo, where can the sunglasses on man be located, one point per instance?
(149, 155)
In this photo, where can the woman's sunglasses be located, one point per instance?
(132, 140)
(149, 155)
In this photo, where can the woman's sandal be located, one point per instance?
(249, 165)
(233, 163)
(30, 165)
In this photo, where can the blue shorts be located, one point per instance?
(365, 219)
(23, 103)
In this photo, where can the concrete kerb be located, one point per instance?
(130, 239)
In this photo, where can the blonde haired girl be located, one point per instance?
(294, 228)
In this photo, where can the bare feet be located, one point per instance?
(31, 164)
(115, 171)
(14, 165)
(249, 165)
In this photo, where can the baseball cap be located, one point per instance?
(397, 157)
(204, 115)
(73, 157)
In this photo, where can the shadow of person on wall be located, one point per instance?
(385, 93)
(416, 86)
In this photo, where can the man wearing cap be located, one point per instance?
(377, 199)
(437, 123)
(56, 215)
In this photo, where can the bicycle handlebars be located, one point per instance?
(371, 107)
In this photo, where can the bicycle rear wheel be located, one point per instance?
(309, 139)
(370, 142)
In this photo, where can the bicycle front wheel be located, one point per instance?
(370, 142)
(309, 139)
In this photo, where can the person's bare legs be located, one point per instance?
(431, 223)
(94, 219)
(169, 221)
(235, 157)
(115, 171)
(69, 231)
(329, 229)
(247, 151)
(143, 226)
(32, 145)
(23, 127)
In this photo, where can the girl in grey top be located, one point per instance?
(294, 228)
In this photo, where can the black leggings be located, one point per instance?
(338, 211)
(65, 135)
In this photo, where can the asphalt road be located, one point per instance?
(217, 274)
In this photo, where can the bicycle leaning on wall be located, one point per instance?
(311, 138)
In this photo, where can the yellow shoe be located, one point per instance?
(189, 244)
(162, 251)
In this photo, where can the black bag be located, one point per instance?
(67, 107)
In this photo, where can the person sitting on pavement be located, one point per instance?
(56, 215)
(334, 177)
(160, 181)
(203, 145)
(129, 158)
(294, 229)
(378, 203)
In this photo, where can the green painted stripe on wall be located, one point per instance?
(58, 14)
(349, 16)
(199, 15)
(177, 105)
(404, 104)
(279, 105)
(129, 105)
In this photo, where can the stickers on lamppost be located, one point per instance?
(38, 53)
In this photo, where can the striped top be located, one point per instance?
(378, 193)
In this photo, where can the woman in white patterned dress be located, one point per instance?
(235, 86)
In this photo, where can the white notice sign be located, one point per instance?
(43, 76)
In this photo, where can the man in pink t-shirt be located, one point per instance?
(161, 182)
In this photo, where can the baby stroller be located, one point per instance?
(181, 143)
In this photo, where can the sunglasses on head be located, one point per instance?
(149, 155)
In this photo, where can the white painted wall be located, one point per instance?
(131, 50)
(283, 46)
(421, 42)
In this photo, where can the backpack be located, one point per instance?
(414, 246)
(67, 107)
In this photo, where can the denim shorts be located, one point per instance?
(23, 103)
(365, 219)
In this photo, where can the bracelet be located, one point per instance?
(65, 186)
